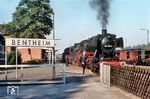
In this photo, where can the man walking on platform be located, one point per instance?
(83, 60)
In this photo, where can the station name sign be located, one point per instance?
(24, 42)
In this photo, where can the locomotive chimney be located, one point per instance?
(104, 31)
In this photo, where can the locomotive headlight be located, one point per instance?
(108, 46)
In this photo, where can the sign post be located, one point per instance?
(16, 64)
(24, 42)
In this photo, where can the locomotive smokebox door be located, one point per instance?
(108, 43)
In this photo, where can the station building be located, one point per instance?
(26, 53)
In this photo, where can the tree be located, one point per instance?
(32, 19)
(140, 46)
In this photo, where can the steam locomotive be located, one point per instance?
(98, 48)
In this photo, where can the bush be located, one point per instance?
(11, 58)
(36, 61)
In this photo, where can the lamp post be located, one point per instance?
(147, 30)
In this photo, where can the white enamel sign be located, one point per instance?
(24, 42)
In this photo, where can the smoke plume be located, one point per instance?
(102, 7)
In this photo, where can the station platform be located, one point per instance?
(78, 86)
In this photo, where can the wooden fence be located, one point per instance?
(132, 79)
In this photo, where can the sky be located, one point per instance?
(75, 20)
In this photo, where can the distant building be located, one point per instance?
(32, 53)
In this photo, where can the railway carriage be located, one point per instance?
(135, 56)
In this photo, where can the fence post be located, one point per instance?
(105, 73)
(64, 75)
(21, 73)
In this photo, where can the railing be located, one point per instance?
(21, 67)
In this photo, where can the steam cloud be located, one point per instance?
(102, 7)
